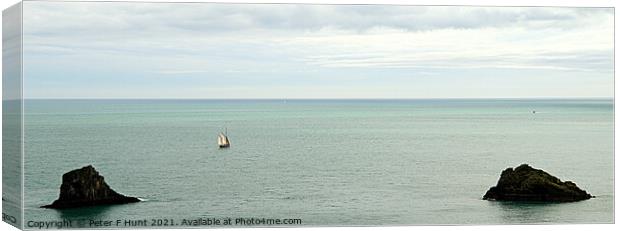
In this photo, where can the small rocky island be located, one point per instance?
(525, 183)
(85, 187)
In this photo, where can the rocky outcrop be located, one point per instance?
(525, 183)
(85, 187)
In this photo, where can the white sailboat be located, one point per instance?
(222, 140)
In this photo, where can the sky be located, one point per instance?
(207, 50)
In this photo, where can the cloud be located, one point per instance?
(354, 36)
(548, 48)
(207, 18)
(294, 40)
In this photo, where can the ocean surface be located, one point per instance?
(326, 162)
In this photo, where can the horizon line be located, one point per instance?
(260, 98)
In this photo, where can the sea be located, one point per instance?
(332, 162)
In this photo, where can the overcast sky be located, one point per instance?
(199, 50)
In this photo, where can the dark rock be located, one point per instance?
(85, 187)
(525, 183)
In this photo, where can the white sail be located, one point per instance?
(222, 140)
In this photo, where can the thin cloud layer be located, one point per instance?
(307, 46)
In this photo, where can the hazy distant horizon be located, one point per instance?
(463, 98)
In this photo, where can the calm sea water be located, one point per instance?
(327, 162)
